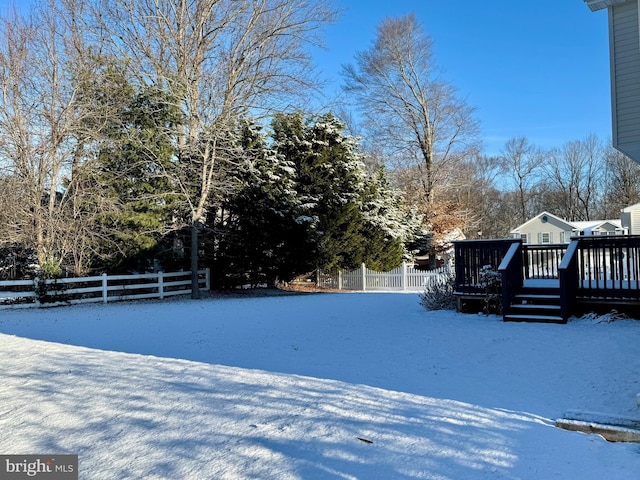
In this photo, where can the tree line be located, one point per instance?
(134, 132)
(179, 132)
(581, 180)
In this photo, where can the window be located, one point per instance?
(524, 237)
(545, 237)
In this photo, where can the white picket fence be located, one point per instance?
(103, 288)
(403, 278)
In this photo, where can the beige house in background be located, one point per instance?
(546, 228)
(549, 228)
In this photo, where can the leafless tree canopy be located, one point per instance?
(407, 108)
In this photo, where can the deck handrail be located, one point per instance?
(568, 278)
(511, 274)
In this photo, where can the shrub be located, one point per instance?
(491, 281)
(440, 295)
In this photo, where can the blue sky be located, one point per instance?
(538, 69)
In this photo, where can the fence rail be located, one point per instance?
(403, 278)
(103, 288)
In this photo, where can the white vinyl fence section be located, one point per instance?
(103, 288)
(403, 278)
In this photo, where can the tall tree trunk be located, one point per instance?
(195, 286)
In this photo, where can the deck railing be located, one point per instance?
(589, 269)
(542, 261)
(608, 267)
(472, 255)
(568, 279)
(511, 274)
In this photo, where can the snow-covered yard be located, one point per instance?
(329, 386)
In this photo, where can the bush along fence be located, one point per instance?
(403, 278)
(103, 288)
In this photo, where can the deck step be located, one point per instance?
(538, 296)
(533, 318)
(541, 306)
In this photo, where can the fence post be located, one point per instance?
(364, 277)
(105, 291)
(160, 285)
(207, 279)
(36, 283)
(404, 275)
(340, 279)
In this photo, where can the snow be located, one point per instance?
(295, 387)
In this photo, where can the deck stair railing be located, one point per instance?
(568, 279)
(512, 275)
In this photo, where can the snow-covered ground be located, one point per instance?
(327, 386)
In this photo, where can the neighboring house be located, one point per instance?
(624, 52)
(548, 228)
(631, 219)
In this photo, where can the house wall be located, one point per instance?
(536, 227)
(624, 44)
(631, 220)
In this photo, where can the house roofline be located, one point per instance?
(596, 5)
(630, 208)
(517, 229)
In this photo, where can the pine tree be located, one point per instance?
(388, 228)
(264, 233)
(330, 182)
(131, 173)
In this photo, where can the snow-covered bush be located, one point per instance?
(491, 281)
(440, 295)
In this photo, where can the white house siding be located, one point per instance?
(632, 221)
(635, 222)
(624, 43)
(559, 231)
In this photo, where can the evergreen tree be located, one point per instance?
(330, 181)
(132, 173)
(387, 227)
(264, 234)
(301, 202)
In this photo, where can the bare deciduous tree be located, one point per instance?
(39, 125)
(622, 182)
(521, 163)
(574, 179)
(414, 114)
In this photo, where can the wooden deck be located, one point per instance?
(550, 283)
